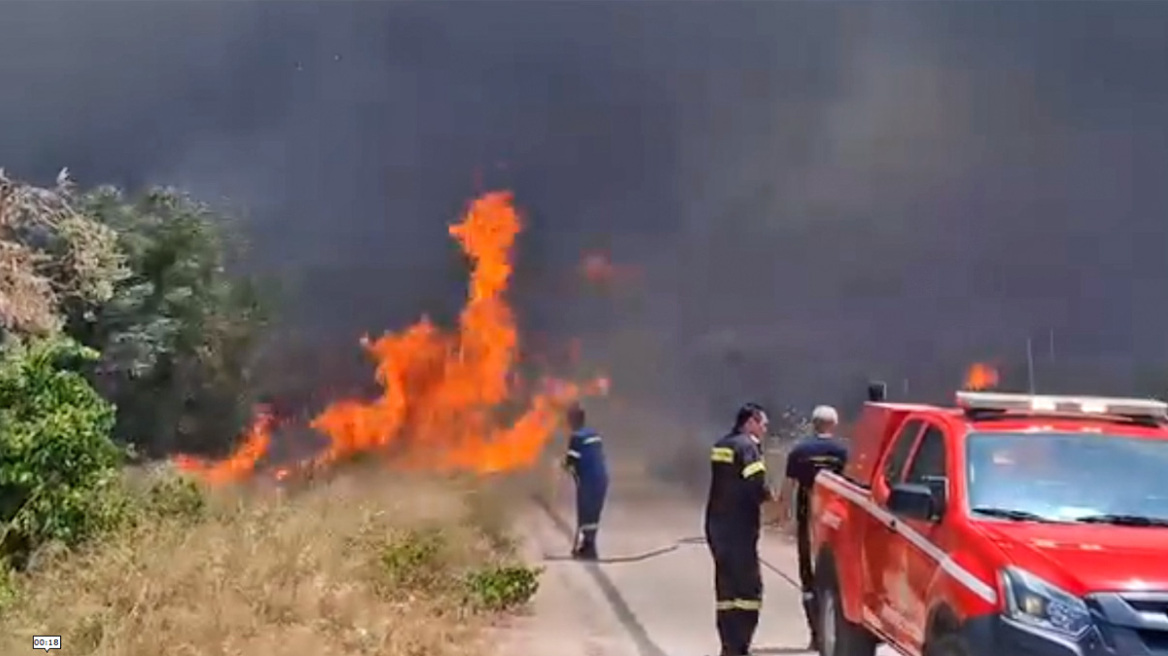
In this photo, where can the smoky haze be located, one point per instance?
(810, 193)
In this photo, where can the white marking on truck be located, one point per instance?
(859, 496)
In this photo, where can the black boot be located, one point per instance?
(587, 550)
(811, 609)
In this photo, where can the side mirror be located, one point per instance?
(939, 486)
(915, 501)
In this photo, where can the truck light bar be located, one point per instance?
(1078, 405)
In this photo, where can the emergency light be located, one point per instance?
(1074, 405)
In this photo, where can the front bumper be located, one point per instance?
(997, 636)
(1109, 636)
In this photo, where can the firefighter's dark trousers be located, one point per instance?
(589, 505)
(737, 590)
(807, 576)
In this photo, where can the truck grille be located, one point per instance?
(1132, 622)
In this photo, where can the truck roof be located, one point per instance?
(991, 411)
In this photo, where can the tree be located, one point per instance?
(57, 460)
(54, 259)
(179, 333)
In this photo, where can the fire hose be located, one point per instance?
(547, 505)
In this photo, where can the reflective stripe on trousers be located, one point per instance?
(740, 604)
(738, 591)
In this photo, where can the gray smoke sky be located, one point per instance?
(824, 189)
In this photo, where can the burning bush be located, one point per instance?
(449, 399)
(343, 564)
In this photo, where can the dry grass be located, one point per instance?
(274, 574)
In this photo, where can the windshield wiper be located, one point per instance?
(1010, 513)
(1123, 520)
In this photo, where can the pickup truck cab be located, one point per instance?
(1010, 525)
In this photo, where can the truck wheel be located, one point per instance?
(838, 636)
(947, 645)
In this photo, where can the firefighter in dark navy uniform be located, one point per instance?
(585, 461)
(738, 490)
(807, 458)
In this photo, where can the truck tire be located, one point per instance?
(947, 645)
(838, 636)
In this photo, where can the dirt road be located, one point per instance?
(652, 594)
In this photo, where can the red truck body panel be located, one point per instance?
(894, 573)
(876, 427)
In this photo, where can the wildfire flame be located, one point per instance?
(240, 464)
(443, 393)
(980, 376)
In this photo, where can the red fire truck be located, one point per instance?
(1009, 525)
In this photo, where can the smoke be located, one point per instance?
(812, 192)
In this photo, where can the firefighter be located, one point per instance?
(585, 461)
(807, 458)
(738, 491)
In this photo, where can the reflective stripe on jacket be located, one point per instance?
(737, 487)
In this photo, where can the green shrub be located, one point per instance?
(8, 590)
(175, 496)
(501, 587)
(59, 476)
(431, 562)
(417, 560)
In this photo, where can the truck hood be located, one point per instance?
(1084, 558)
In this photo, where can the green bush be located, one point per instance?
(59, 467)
(175, 496)
(8, 589)
(423, 560)
(417, 560)
(502, 587)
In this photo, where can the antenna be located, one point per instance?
(1030, 362)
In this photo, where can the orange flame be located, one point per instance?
(240, 464)
(443, 393)
(980, 376)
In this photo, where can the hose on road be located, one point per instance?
(546, 503)
(661, 551)
(638, 557)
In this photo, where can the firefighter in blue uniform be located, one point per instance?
(738, 490)
(809, 456)
(585, 461)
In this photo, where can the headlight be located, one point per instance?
(1032, 601)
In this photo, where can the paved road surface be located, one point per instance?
(652, 595)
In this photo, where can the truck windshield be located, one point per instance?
(1068, 477)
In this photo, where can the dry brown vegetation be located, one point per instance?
(51, 255)
(369, 563)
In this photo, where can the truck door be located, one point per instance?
(879, 537)
(917, 570)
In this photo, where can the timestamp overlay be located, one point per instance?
(46, 642)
